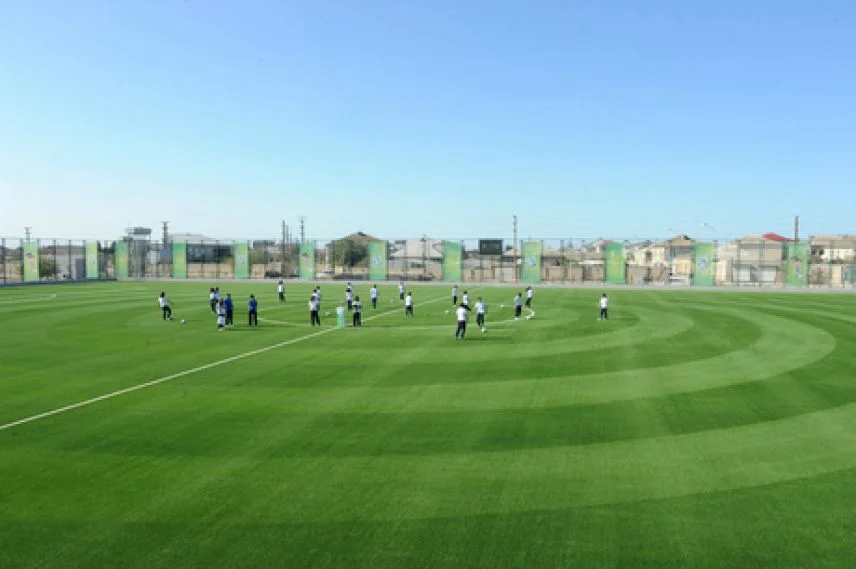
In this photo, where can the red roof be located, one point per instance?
(777, 237)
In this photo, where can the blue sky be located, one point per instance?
(612, 118)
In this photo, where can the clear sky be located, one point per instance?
(614, 118)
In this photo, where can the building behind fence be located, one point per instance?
(765, 261)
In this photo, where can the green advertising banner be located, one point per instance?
(307, 261)
(377, 261)
(31, 261)
(796, 271)
(703, 255)
(120, 260)
(179, 260)
(452, 261)
(241, 260)
(530, 260)
(91, 259)
(615, 267)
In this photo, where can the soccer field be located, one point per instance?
(691, 429)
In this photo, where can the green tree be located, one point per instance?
(348, 252)
(258, 256)
(47, 267)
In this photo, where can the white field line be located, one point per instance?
(280, 322)
(39, 298)
(184, 373)
(79, 296)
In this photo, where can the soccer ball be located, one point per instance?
(528, 318)
(184, 321)
(502, 306)
(484, 330)
(327, 313)
(447, 312)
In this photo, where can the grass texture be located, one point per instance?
(691, 429)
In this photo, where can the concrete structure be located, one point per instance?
(834, 248)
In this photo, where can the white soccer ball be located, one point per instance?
(184, 321)
(484, 330)
(447, 312)
(502, 306)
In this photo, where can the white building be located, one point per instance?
(840, 248)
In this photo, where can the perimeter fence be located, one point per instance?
(747, 262)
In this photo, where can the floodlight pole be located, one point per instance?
(424, 256)
(284, 229)
(514, 246)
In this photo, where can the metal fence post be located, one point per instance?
(715, 261)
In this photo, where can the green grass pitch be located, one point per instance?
(692, 429)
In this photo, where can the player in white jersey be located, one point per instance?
(221, 316)
(349, 299)
(401, 290)
(530, 292)
(604, 308)
(314, 309)
(518, 306)
(358, 313)
(480, 312)
(455, 295)
(408, 305)
(373, 294)
(212, 300)
(164, 306)
(465, 300)
(280, 289)
(461, 330)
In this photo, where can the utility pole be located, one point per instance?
(164, 246)
(797, 229)
(302, 229)
(424, 256)
(27, 233)
(282, 249)
(514, 245)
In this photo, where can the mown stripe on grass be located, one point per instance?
(171, 377)
(782, 347)
(323, 488)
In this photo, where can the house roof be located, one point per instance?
(834, 241)
(195, 239)
(776, 237)
(840, 244)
